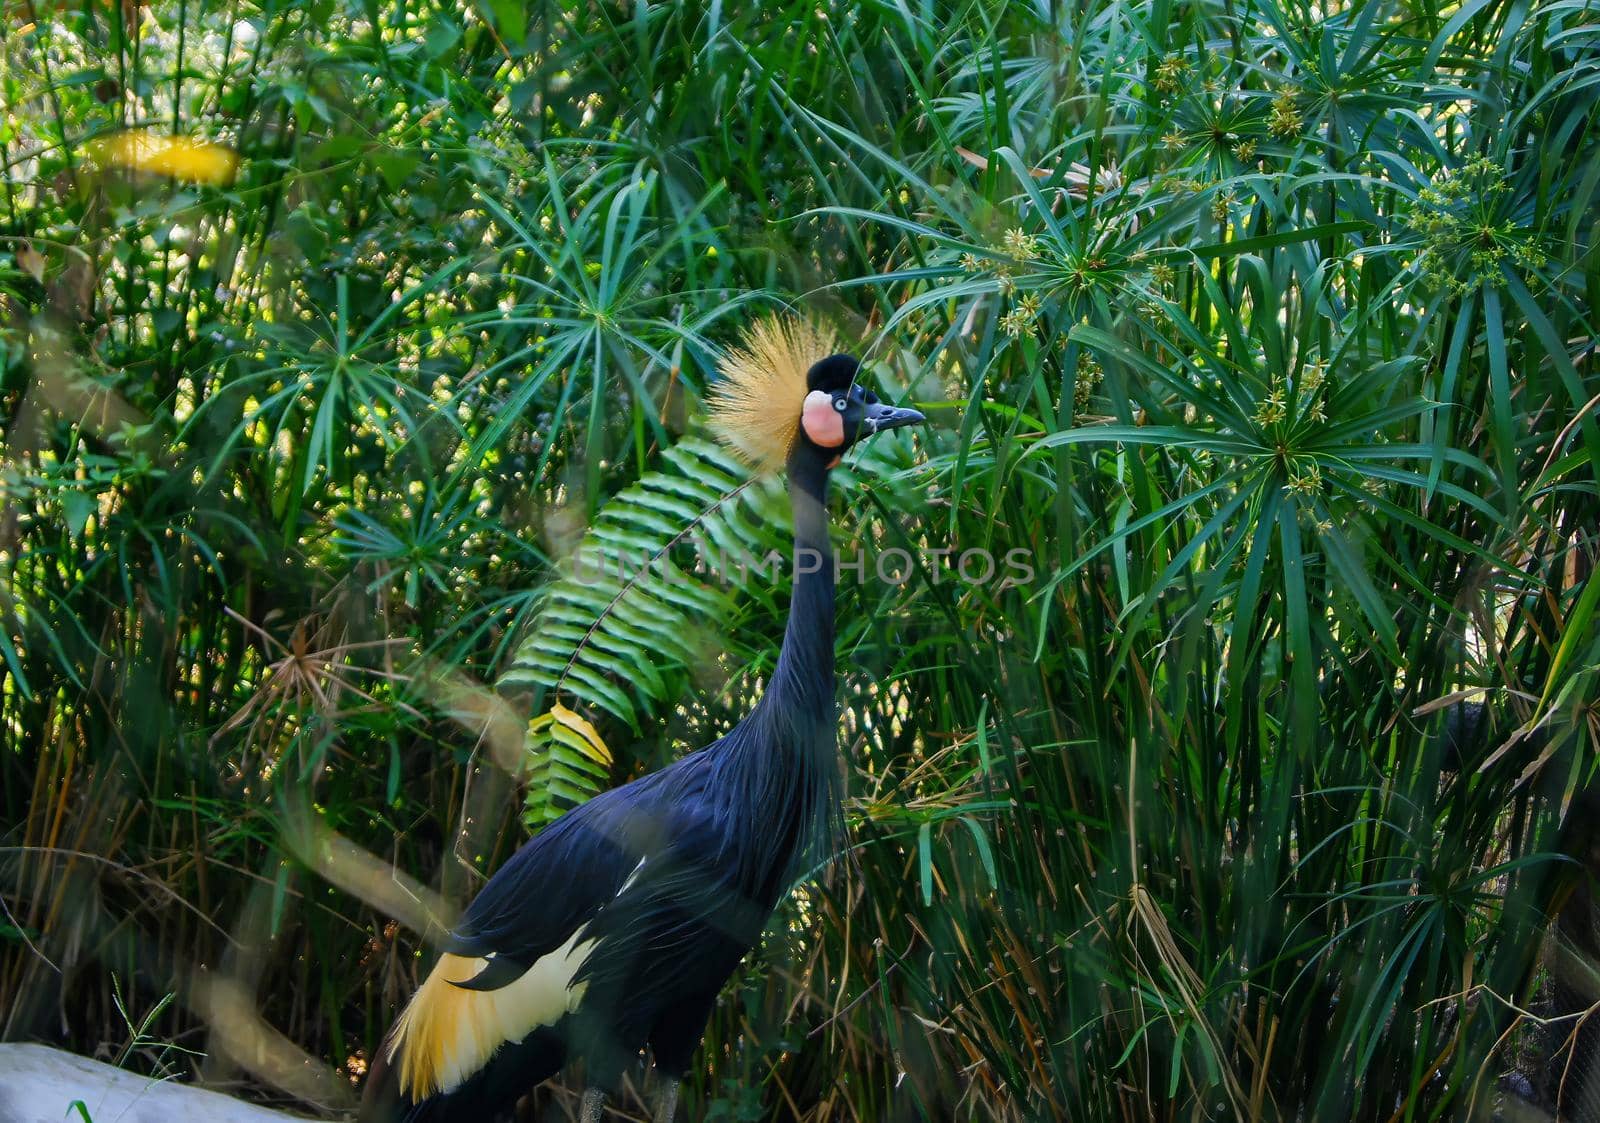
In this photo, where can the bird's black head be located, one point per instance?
(838, 411)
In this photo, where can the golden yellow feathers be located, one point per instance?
(756, 406)
(448, 1033)
(428, 1033)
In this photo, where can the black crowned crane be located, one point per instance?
(616, 926)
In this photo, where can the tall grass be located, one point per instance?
(1265, 331)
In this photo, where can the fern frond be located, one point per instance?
(615, 633)
(568, 763)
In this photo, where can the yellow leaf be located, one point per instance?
(194, 161)
(597, 750)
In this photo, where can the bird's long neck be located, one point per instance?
(781, 765)
(802, 682)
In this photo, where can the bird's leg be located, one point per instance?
(665, 1102)
(594, 1102)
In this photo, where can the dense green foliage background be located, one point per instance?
(1266, 329)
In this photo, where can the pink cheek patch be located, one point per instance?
(821, 422)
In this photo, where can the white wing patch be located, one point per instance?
(447, 1033)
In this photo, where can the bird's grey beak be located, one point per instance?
(880, 417)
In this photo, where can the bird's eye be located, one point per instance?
(840, 404)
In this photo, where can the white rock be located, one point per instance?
(39, 1084)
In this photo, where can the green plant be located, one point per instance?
(1264, 333)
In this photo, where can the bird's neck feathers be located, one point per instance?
(782, 759)
(802, 683)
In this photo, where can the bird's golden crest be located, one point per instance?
(756, 406)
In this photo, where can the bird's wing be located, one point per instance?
(512, 963)
(562, 879)
(690, 910)
(551, 886)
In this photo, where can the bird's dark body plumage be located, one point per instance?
(663, 945)
(617, 925)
